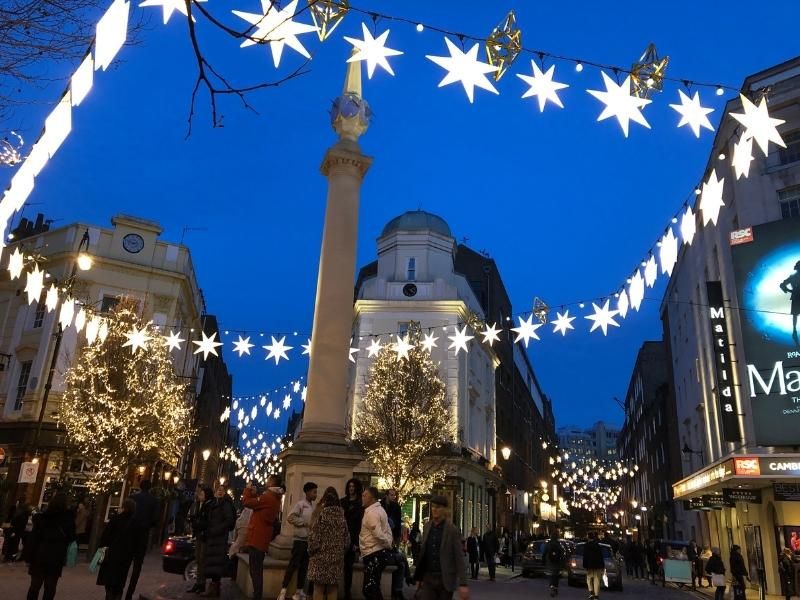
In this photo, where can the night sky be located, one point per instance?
(565, 205)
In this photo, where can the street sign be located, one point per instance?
(28, 472)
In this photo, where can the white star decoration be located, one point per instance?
(276, 27)
(711, 198)
(80, 319)
(353, 351)
(372, 50)
(623, 304)
(242, 346)
(402, 347)
(263, 401)
(620, 103)
(374, 348)
(268, 410)
(758, 124)
(277, 349)
(296, 387)
(137, 338)
(168, 7)
(15, 264)
(692, 113)
(34, 284)
(303, 393)
(602, 318)
(307, 347)
(207, 345)
(459, 340)
(174, 340)
(636, 290)
(225, 414)
(542, 86)
(742, 157)
(651, 272)
(688, 226)
(253, 413)
(491, 334)
(466, 68)
(287, 401)
(526, 330)
(562, 323)
(277, 413)
(429, 341)
(51, 301)
(668, 252)
(92, 329)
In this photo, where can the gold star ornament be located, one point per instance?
(327, 14)
(647, 74)
(504, 45)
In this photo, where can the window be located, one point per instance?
(22, 383)
(109, 302)
(411, 275)
(792, 151)
(402, 327)
(790, 202)
(38, 316)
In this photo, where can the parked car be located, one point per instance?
(576, 574)
(532, 563)
(177, 556)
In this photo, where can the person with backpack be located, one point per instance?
(553, 557)
(45, 549)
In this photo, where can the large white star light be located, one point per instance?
(66, 313)
(374, 348)
(636, 290)
(466, 68)
(620, 103)
(16, 262)
(459, 340)
(169, 6)
(668, 253)
(602, 318)
(275, 27)
(372, 50)
(34, 284)
(429, 341)
(562, 323)
(277, 349)
(287, 401)
(353, 352)
(692, 113)
(207, 345)
(526, 330)
(711, 198)
(542, 86)
(758, 125)
(688, 226)
(650, 271)
(174, 340)
(307, 347)
(402, 347)
(491, 334)
(137, 338)
(742, 157)
(242, 346)
(51, 300)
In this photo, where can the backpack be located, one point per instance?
(555, 553)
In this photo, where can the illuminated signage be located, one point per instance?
(733, 495)
(746, 466)
(722, 361)
(742, 236)
(703, 479)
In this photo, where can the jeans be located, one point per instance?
(398, 559)
(138, 559)
(298, 562)
(37, 581)
(719, 594)
(594, 579)
(257, 572)
(374, 564)
(555, 575)
(474, 567)
(433, 588)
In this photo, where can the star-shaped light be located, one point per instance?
(636, 290)
(15, 264)
(692, 113)
(402, 347)
(276, 413)
(303, 393)
(491, 334)
(466, 68)
(542, 86)
(174, 340)
(277, 349)
(374, 347)
(169, 6)
(526, 330)
(650, 271)
(225, 414)
(372, 50)
(242, 346)
(602, 318)
(623, 304)
(137, 339)
(742, 157)
(429, 341)
(562, 323)
(296, 387)
(34, 284)
(253, 413)
(307, 347)
(287, 401)
(758, 125)
(80, 319)
(207, 345)
(711, 198)
(51, 300)
(688, 226)
(459, 340)
(92, 329)
(276, 27)
(353, 352)
(620, 103)
(668, 253)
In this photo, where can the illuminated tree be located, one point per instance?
(121, 406)
(404, 422)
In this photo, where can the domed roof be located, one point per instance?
(417, 220)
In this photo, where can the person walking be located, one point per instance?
(18, 519)
(738, 572)
(652, 560)
(45, 549)
(594, 564)
(328, 538)
(299, 517)
(393, 514)
(120, 538)
(553, 557)
(220, 516)
(639, 554)
(491, 546)
(374, 543)
(473, 552)
(786, 571)
(81, 522)
(440, 571)
(353, 514)
(145, 518)
(265, 509)
(199, 521)
(716, 568)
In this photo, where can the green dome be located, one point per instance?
(417, 220)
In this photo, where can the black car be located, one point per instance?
(177, 556)
(532, 563)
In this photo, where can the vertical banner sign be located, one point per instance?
(726, 392)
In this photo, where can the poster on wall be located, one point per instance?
(767, 269)
(790, 535)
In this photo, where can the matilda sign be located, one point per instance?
(722, 362)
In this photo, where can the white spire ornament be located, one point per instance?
(242, 346)
(542, 86)
(688, 226)
(277, 349)
(373, 51)
(758, 125)
(602, 318)
(464, 67)
(623, 304)
(650, 271)
(66, 313)
(459, 340)
(34, 284)
(742, 157)
(16, 262)
(207, 345)
(636, 290)
(692, 113)
(80, 319)
(51, 301)
(562, 323)
(620, 103)
(275, 27)
(668, 253)
(526, 330)
(711, 198)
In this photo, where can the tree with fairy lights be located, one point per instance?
(123, 400)
(404, 423)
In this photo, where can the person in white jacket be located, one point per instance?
(374, 542)
(300, 518)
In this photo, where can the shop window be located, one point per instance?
(38, 316)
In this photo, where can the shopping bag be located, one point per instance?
(717, 579)
(97, 560)
(72, 555)
(605, 578)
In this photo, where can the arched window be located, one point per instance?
(411, 275)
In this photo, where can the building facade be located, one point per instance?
(599, 442)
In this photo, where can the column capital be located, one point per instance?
(345, 156)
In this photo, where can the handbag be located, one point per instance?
(718, 580)
(72, 555)
(97, 560)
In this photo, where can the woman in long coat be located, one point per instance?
(45, 548)
(328, 537)
(119, 541)
(220, 516)
(786, 570)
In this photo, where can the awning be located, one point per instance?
(740, 471)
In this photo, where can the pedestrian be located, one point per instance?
(242, 523)
(594, 564)
(328, 538)
(198, 517)
(639, 554)
(738, 572)
(374, 542)
(45, 549)
(553, 557)
(81, 522)
(786, 571)
(491, 546)
(404, 530)
(265, 507)
(145, 518)
(704, 556)
(18, 518)
(627, 556)
(473, 552)
(652, 560)
(716, 569)
(120, 538)
(300, 518)
(393, 514)
(693, 555)
(220, 519)
(353, 514)
(414, 538)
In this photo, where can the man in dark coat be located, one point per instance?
(441, 570)
(491, 546)
(220, 520)
(353, 514)
(119, 538)
(18, 517)
(697, 564)
(738, 569)
(553, 557)
(594, 564)
(45, 549)
(145, 518)
(394, 514)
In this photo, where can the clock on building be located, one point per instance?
(133, 243)
(410, 290)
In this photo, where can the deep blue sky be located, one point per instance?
(565, 205)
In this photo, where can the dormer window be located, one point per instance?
(411, 274)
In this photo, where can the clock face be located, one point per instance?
(133, 243)
(410, 290)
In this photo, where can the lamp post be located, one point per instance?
(206, 454)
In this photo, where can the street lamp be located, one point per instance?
(506, 452)
(634, 503)
(206, 453)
